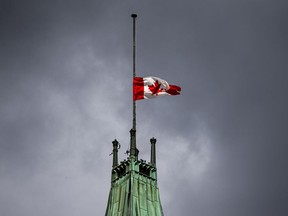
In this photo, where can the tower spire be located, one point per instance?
(153, 151)
(115, 153)
(133, 149)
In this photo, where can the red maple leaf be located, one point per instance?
(155, 87)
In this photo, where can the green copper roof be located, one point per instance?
(134, 190)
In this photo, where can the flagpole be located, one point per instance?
(134, 66)
(133, 149)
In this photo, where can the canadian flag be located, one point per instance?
(151, 87)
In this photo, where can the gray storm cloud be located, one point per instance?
(65, 94)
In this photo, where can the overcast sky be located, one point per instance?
(65, 95)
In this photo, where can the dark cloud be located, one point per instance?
(65, 90)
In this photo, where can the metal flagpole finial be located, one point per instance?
(134, 15)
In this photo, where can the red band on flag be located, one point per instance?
(138, 88)
(174, 90)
